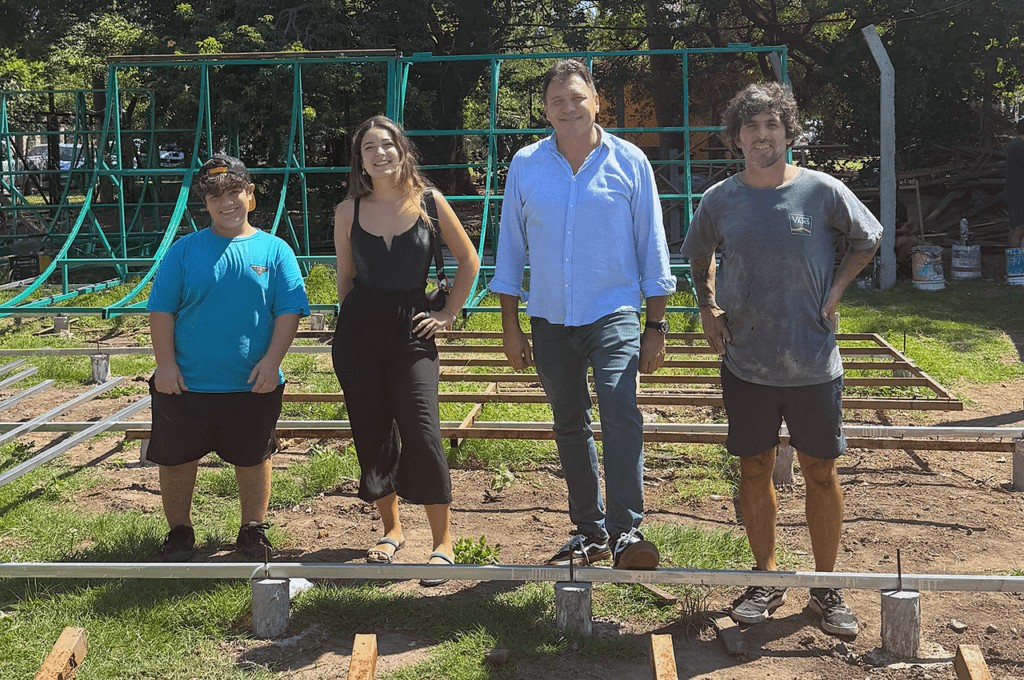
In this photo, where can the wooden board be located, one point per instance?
(66, 656)
(969, 664)
(363, 665)
(663, 658)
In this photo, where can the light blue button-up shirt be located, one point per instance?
(595, 241)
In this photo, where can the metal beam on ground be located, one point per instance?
(71, 442)
(27, 392)
(7, 368)
(18, 377)
(25, 428)
(472, 572)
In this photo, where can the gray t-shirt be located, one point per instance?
(778, 250)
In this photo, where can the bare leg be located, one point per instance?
(440, 518)
(758, 505)
(387, 508)
(824, 509)
(254, 491)
(177, 483)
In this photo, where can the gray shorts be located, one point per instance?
(813, 414)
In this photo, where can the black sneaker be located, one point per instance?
(836, 616)
(180, 544)
(252, 541)
(583, 550)
(632, 551)
(757, 603)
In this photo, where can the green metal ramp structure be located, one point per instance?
(117, 207)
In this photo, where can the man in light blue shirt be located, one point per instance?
(581, 208)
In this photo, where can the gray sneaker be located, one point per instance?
(757, 603)
(836, 616)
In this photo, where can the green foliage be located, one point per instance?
(468, 551)
(503, 478)
(322, 285)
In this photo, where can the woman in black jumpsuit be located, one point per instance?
(384, 352)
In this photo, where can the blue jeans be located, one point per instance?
(611, 346)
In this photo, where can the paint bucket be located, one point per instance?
(1015, 266)
(926, 267)
(966, 262)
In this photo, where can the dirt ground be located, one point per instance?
(947, 513)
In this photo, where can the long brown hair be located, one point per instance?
(409, 176)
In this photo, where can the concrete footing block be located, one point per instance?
(100, 367)
(573, 607)
(1017, 481)
(782, 474)
(270, 605)
(317, 322)
(901, 623)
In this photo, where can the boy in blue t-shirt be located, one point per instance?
(224, 309)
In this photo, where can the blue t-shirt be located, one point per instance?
(225, 294)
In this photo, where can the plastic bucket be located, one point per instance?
(1015, 266)
(926, 263)
(966, 262)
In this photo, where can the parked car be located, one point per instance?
(171, 156)
(38, 157)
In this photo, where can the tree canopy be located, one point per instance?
(959, 64)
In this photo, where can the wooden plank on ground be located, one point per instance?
(66, 656)
(729, 634)
(969, 664)
(363, 665)
(663, 658)
(664, 597)
(471, 417)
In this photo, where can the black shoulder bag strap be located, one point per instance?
(435, 240)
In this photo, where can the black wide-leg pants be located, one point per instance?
(390, 380)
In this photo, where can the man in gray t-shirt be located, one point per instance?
(778, 228)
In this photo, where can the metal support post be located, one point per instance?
(270, 604)
(887, 175)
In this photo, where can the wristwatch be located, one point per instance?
(658, 326)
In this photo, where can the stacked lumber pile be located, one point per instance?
(931, 201)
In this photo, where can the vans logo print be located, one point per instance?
(260, 271)
(800, 224)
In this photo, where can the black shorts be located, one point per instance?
(239, 426)
(813, 414)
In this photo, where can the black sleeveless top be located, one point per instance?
(405, 267)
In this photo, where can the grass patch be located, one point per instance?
(957, 335)
(137, 629)
(703, 470)
(322, 473)
(519, 619)
(684, 547)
